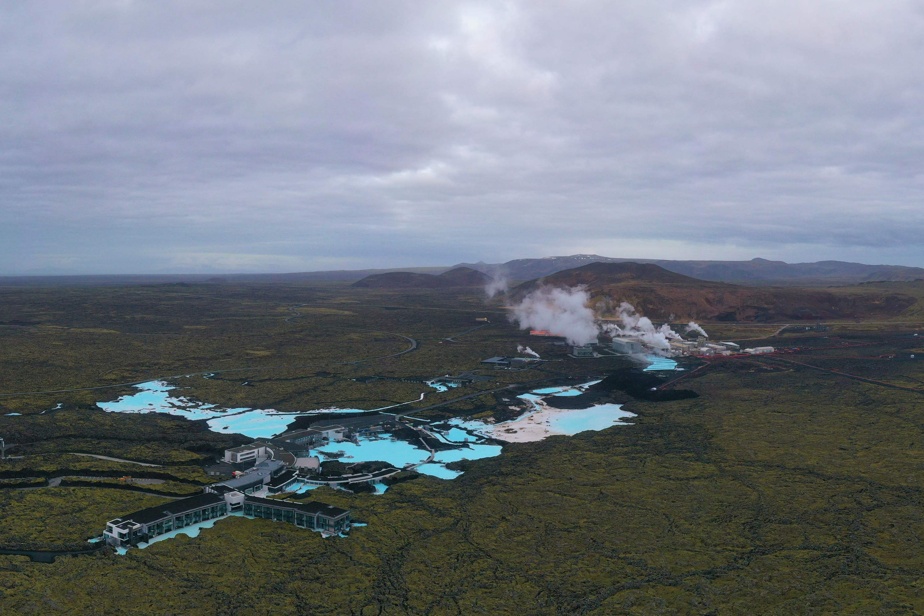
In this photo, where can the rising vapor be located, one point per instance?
(633, 325)
(497, 285)
(693, 327)
(563, 312)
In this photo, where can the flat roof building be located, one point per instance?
(254, 479)
(497, 362)
(254, 452)
(585, 350)
(144, 525)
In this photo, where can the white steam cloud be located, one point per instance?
(497, 285)
(527, 351)
(633, 325)
(565, 312)
(693, 327)
(562, 312)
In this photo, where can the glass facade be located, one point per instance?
(301, 519)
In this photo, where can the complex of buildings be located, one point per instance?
(701, 347)
(260, 469)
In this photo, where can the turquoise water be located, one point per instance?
(385, 448)
(442, 386)
(594, 418)
(659, 363)
(563, 391)
(155, 397)
(378, 448)
(548, 391)
(255, 424)
(300, 487)
(454, 436)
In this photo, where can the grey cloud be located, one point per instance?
(298, 135)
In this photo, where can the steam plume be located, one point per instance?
(527, 351)
(633, 325)
(563, 312)
(498, 284)
(693, 327)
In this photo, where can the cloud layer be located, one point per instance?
(204, 136)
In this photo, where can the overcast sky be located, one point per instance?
(193, 136)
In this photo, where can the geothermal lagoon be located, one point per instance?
(476, 439)
(544, 421)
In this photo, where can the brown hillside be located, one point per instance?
(660, 294)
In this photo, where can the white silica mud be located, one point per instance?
(542, 421)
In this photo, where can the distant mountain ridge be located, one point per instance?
(456, 277)
(754, 272)
(663, 295)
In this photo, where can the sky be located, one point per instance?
(232, 136)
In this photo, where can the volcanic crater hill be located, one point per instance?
(663, 295)
(457, 277)
(756, 272)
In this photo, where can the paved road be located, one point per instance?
(845, 375)
(93, 455)
(468, 331)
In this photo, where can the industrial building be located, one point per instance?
(509, 363)
(497, 362)
(627, 346)
(585, 350)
